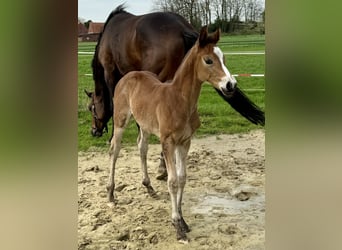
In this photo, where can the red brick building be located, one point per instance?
(91, 34)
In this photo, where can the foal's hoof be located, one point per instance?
(110, 193)
(183, 240)
(180, 231)
(184, 227)
(111, 198)
(111, 204)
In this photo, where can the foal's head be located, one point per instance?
(211, 66)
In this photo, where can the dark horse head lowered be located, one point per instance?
(100, 112)
(155, 42)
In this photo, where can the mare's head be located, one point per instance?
(211, 64)
(100, 114)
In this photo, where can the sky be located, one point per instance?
(99, 10)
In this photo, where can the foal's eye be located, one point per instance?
(208, 61)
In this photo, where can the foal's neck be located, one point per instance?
(186, 81)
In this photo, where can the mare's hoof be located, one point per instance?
(162, 170)
(162, 176)
(151, 192)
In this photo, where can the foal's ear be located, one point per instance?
(203, 36)
(205, 39)
(215, 36)
(89, 94)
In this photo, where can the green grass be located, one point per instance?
(217, 117)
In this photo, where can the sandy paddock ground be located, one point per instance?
(223, 203)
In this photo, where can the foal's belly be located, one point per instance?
(148, 125)
(179, 134)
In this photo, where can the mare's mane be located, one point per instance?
(98, 70)
(120, 9)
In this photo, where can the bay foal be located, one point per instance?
(170, 112)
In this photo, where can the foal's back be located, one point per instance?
(149, 101)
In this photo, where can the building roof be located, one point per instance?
(82, 29)
(95, 27)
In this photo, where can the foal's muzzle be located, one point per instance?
(230, 86)
(228, 90)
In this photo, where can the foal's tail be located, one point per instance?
(242, 104)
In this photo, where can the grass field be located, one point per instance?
(216, 115)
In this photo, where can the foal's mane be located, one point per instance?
(209, 40)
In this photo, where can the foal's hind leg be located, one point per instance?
(114, 153)
(121, 121)
(143, 148)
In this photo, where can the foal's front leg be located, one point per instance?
(173, 186)
(181, 154)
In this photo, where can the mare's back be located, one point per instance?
(152, 42)
(161, 40)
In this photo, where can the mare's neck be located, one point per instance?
(186, 82)
(102, 94)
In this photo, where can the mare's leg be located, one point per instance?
(143, 148)
(181, 154)
(162, 168)
(173, 186)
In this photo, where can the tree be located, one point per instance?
(226, 13)
(86, 24)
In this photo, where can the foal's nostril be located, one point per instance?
(230, 86)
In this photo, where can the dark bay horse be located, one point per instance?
(153, 105)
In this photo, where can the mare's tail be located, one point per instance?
(242, 104)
